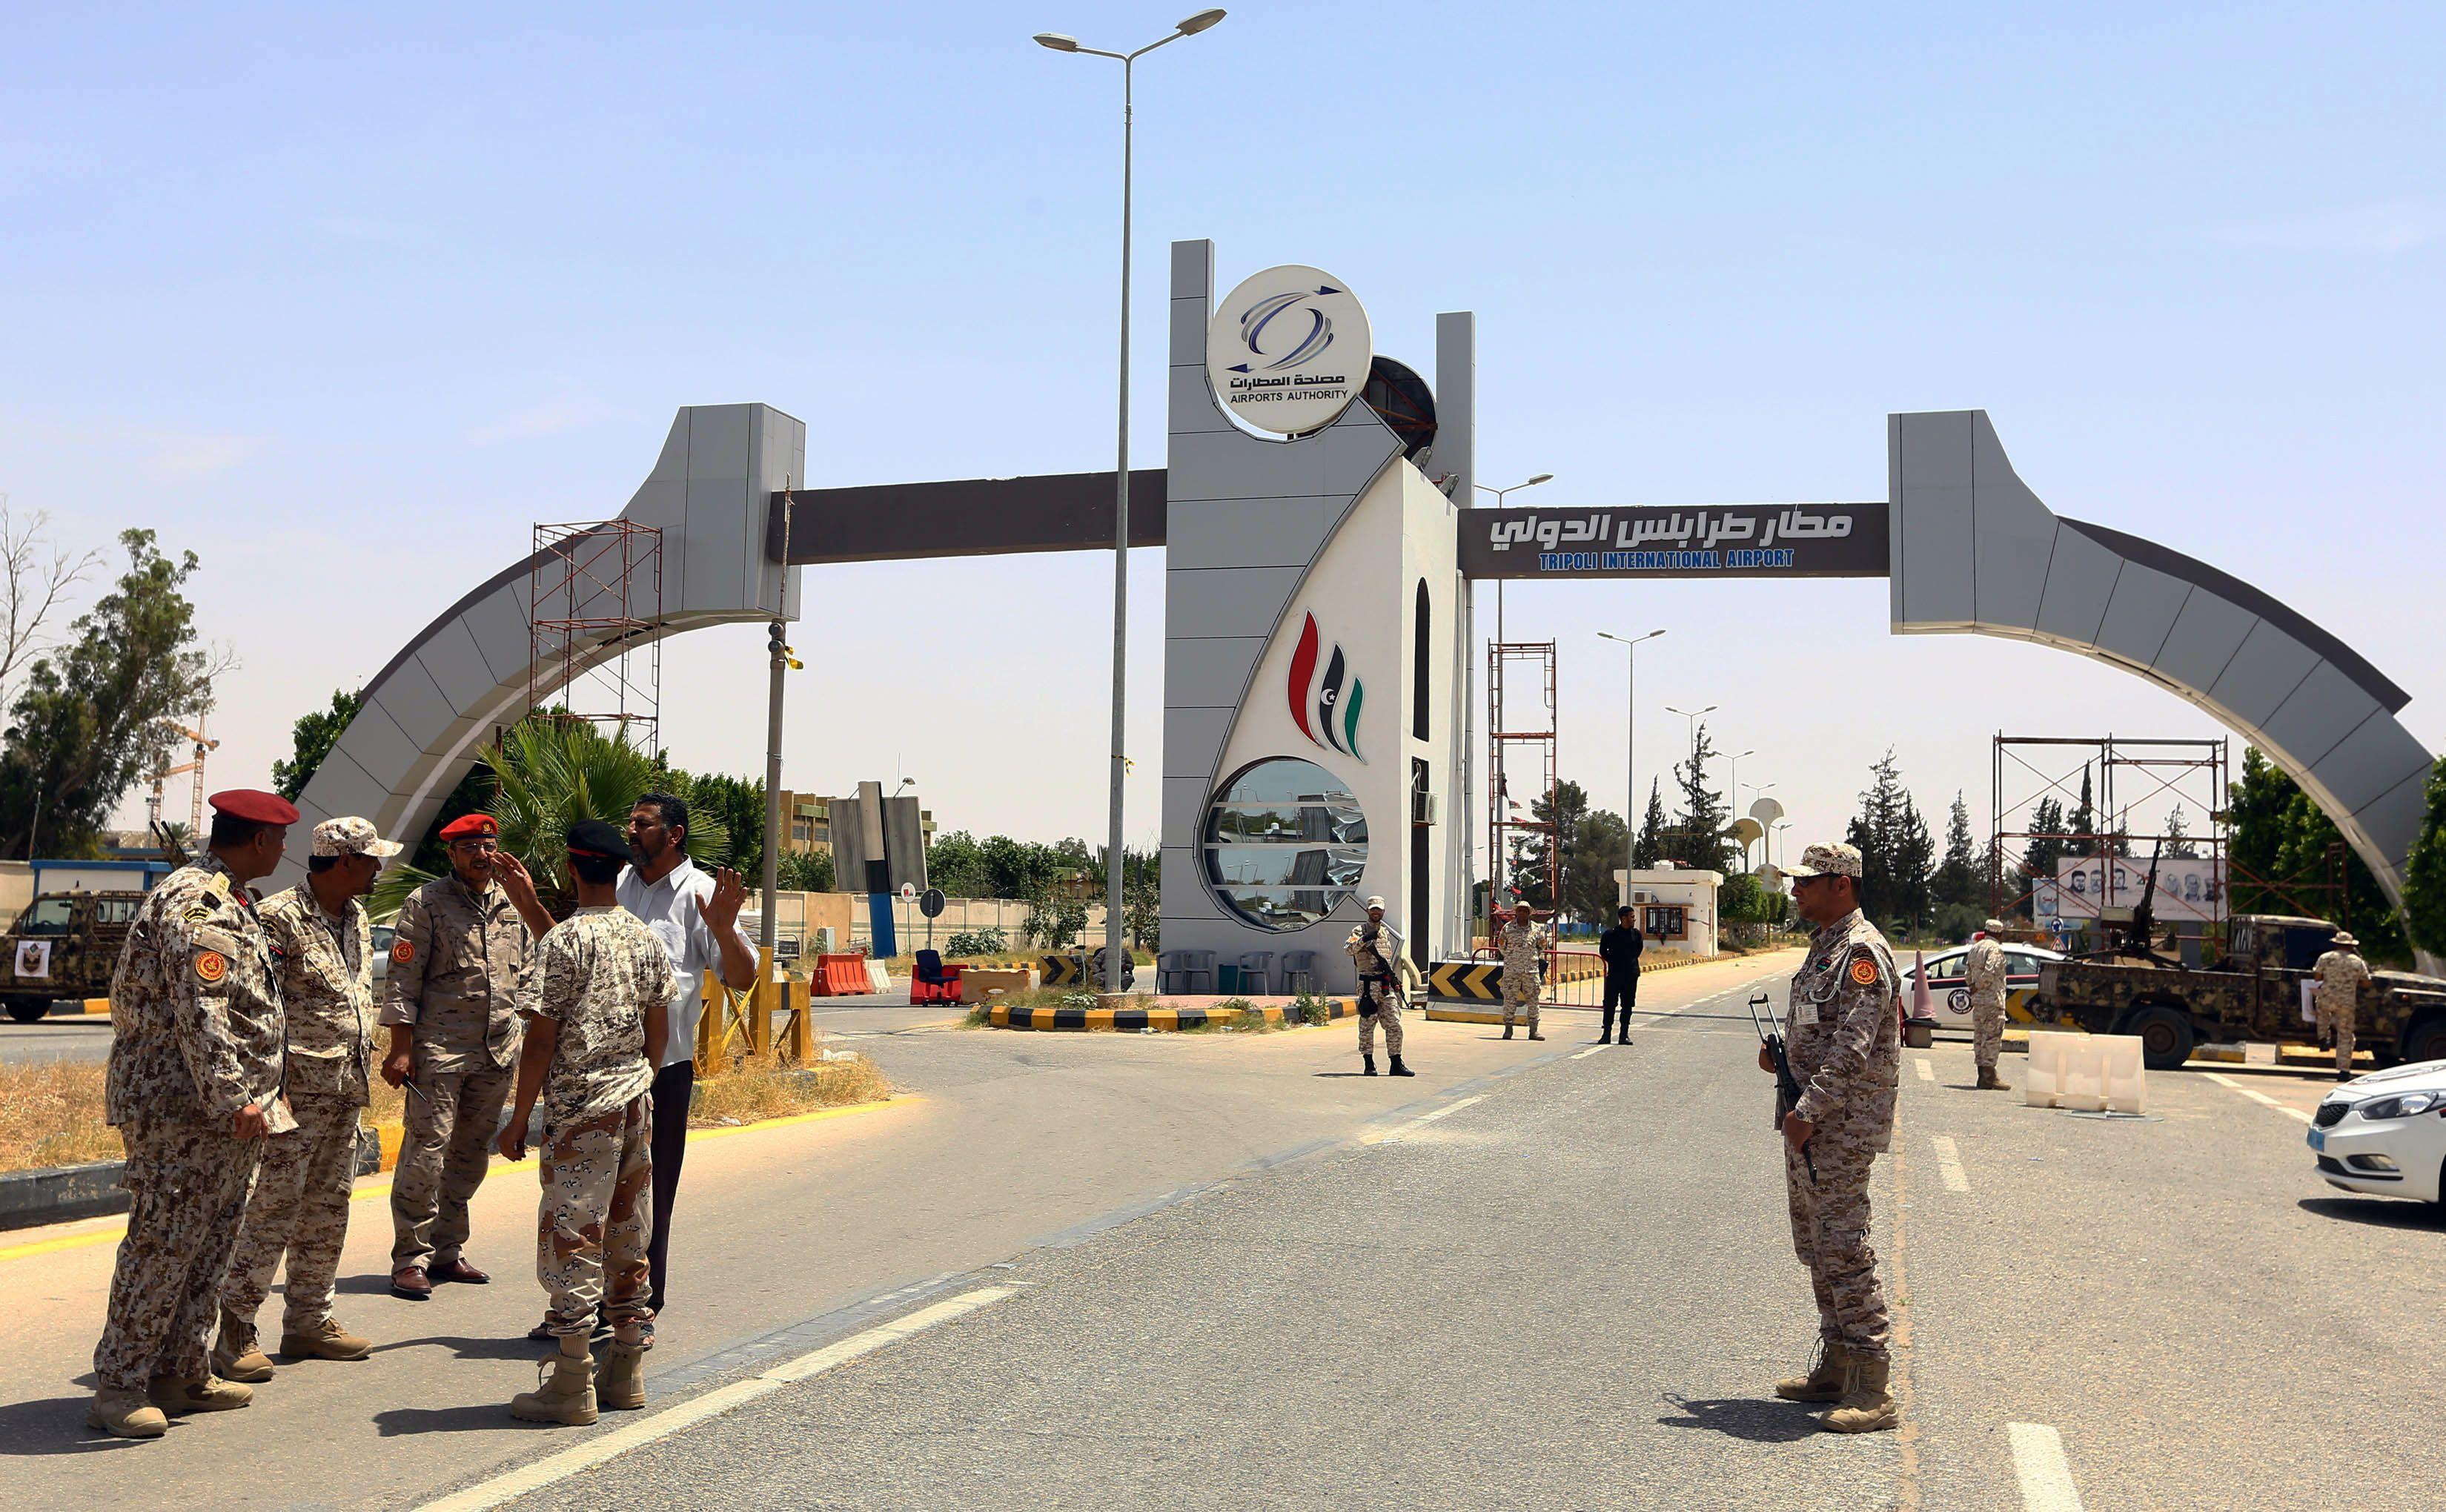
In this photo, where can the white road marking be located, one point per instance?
(1586, 1053)
(1927, 1072)
(2039, 1463)
(595, 1451)
(1949, 1164)
(1425, 1119)
(2256, 1095)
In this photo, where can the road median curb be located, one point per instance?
(1162, 1020)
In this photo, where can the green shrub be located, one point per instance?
(967, 942)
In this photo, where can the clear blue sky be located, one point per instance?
(346, 302)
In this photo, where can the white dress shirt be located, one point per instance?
(673, 908)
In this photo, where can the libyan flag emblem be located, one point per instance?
(1325, 709)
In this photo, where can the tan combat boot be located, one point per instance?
(1867, 1405)
(564, 1393)
(620, 1380)
(327, 1340)
(1824, 1382)
(237, 1355)
(210, 1395)
(125, 1415)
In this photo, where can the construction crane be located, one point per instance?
(196, 765)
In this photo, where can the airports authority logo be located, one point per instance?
(1325, 707)
(1289, 349)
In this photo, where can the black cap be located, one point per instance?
(596, 837)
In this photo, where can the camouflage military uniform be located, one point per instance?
(1524, 950)
(1844, 1038)
(2341, 975)
(596, 974)
(454, 976)
(1380, 984)
(197, 1029)
(1984, 967)
(301, 1198)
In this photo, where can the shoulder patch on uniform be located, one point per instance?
(1864, 971)
(401, 953)
(211, 966)
(200, 913)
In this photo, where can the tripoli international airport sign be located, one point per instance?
(1774, 541)
(1289, 349)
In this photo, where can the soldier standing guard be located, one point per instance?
(451, 1002)
(1375, 948)
(1985, 971)
(323, 946)
(1523, 945)
(1620, 947)
(194, 1087)
(597, 1009)
(2341, 974)
(1843, 1039)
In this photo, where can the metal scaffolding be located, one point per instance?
(1512, 823)
(594, 593)
(2124, 775)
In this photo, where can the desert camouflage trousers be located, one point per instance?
(1830, 1232)
(2340, 1025)
(596, 1218)
(300, 1209)
(1388, 1001)
(186, 1195)
(443, 1157)
(1987, 1031)
(1521, 989)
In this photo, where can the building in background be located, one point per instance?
(1676, 907)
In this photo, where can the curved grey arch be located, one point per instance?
(1973, 551)
(441, 697)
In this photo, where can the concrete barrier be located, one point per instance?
(1162, 1020)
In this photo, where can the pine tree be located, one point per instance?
(2424, 875)
(2045, 847)
(1650, 848)
(1914, 862)
(1699, 841)
(1878, 831)
(1957, 880)
(2083, 821)
(2178, 835)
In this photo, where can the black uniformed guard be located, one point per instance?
(1620, 946)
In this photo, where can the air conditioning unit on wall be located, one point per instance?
(1422, 808)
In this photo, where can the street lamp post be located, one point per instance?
(1498, 493)
(1112, 958)
(1733, 794)
(1629, 734)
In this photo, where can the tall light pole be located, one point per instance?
(1696, 777)
(1629, 733)
(1113, 961)
(1733, 796)
(1498, 493)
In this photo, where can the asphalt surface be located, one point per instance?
(1197, 1271)
(61, 1037)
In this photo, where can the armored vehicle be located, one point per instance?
(64, 945)
(2253, 993)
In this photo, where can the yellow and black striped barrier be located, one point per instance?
(1131, 1020)
(1466, 981)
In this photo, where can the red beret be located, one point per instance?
(255, 804)
(466, 825)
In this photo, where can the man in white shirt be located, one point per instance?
(696, 916)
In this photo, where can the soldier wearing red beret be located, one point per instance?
(451, 1003)
(194, 1086)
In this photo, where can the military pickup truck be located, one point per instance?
(2253, 993)
(64, 945)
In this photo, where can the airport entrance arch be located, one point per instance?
(1316, 640)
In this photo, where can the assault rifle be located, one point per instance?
(1787, 1087)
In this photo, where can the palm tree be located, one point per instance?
(548, 774)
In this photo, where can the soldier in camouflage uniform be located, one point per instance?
(1375, 949)
(1843, 1039)
(596, 1003)
(322, 944)
(1985, 969)
(193, 1089)
(1523, 945)
(451, 1002)
(2341, 974)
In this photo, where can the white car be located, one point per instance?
(1948, 990)
(2384, 1134)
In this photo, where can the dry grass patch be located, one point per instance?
(50, 1114)
(755, 1092)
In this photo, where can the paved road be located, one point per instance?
(1196, 1270)
(59, 1037)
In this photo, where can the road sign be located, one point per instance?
(931, 902)
(909, 892)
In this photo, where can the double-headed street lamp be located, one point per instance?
(1114, 959)
(1629, 732)
(1498, 493)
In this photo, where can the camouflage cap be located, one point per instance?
(352, 836)
(1994, 926)
(2344, 939)
(1838, 859)
(1375, 901)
